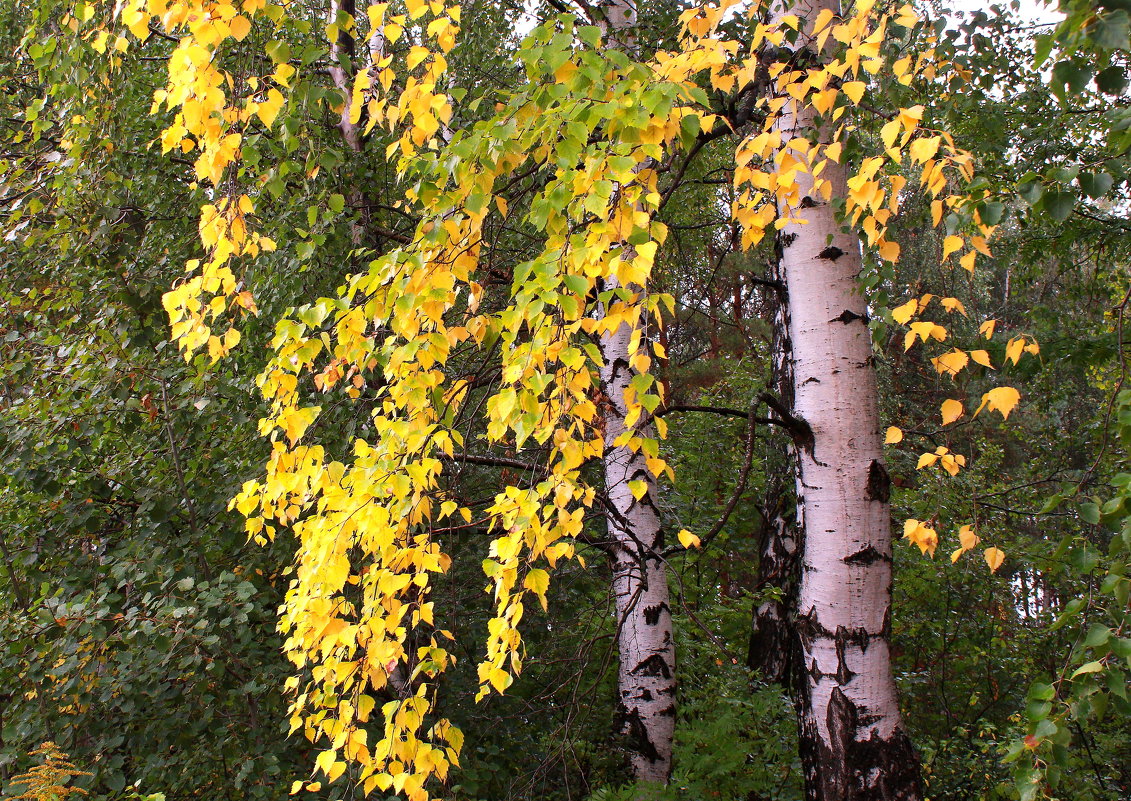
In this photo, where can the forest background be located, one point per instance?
(139, 623)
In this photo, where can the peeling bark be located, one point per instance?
(854, 747)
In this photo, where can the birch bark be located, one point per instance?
(646, 684)
(854, 747)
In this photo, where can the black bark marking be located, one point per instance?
(847, 316)
(879, 483)
(843, 673)
(652, 666)
(629, 723)
(652, 613)
(832, 253)
(808, 203)
(848, 767)
(866, 556)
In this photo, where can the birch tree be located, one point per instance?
(594, 123)
(646, 681)
(853, 742)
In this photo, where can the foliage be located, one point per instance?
(48, 780)
(445, 352)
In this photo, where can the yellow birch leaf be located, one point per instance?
(1002, 399)
(967, 538)
(1014, 349)
(986, 329)
(893, 436)
(953, 305)
(951, 245)
(951, 363)
(951, 411)
(854, 90)
(901, 314)
(994, 558)
(890, 132)
(537, 581)
(268, 109)
(966, 261)
(923, 150)
(638, 489)
(687, 539)
(240, 26)
(926, 460)
(981, 357)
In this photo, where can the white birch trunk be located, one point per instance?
(646, 684)
(853, 744)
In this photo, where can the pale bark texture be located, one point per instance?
(646, 683)
(854, 747)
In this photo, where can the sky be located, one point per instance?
(1030, 10)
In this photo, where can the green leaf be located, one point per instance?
(1090, 667)
(1070, 75)
(1112, 81)
(1089, 513)
(1030, 191)
(1111, 30)
(337, 203)
(1059, 204)
(1095, 184)
(1097, 635)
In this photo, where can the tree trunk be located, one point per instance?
(646, 677)
(773, 640)
(853, 744)
(646, 682)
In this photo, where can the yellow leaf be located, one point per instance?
(951, 363)
(923, 150)
(926, 460)
(981, 357)
(889, 251)
(893, 436)
(638, 488)
(922, 535)
(951, 411)
(967, 537)
(240, 27)
(268, 109)
(687, 539)
(537, 581)
(854, 90)
(986, 329)
(296, 786)
(902, 314)
(951, 245)
(890, 132)
(966, 261)
(1002, 399)
(994, 558)
(1014, 349)
(953, 305)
